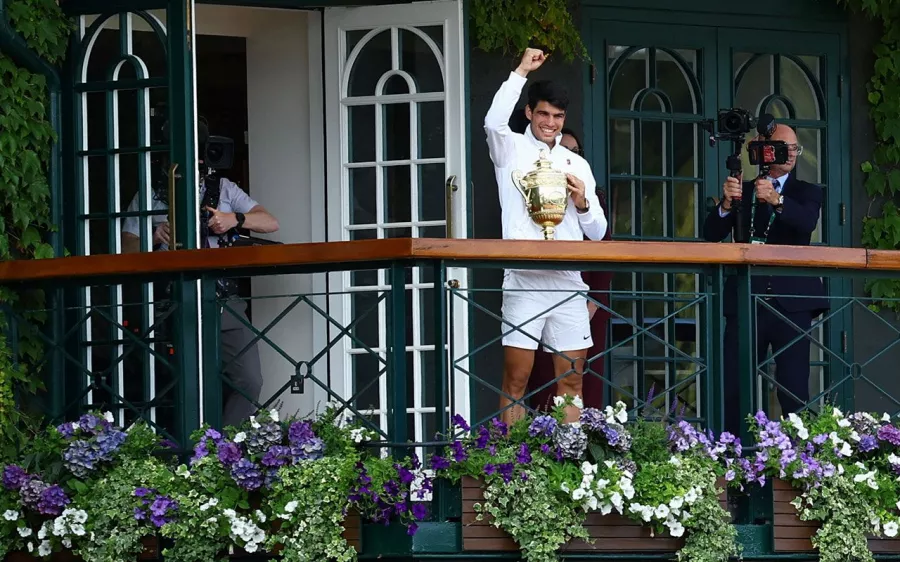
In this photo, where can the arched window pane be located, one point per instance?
(629, 79)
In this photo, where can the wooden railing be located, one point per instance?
(251, 260)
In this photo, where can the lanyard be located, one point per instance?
(765, 235)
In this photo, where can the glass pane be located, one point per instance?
(686, 150)
(673, 78)
(777, 108)
(653, 102)
(97, 114)
(396, 84)
(362, 194)
(361, 133)
(431, 129)
(364, 278)
(395, 131)
(432, 196)
(432, 232)
(364, 234)
(398, 232)
(797, 87)
(397, 185)
(621, 150)
(373, 61)
(130, 180)
(685, 210)
(420, 61)
(98, 195)
(366, 370)
(428, 387)
(364, 310)
(755, 83)
(127, 117)
(811, 163)
(654, 309)
(426, 317)
(630, 76)
(653, 148)
(622, 207)
(653, 209)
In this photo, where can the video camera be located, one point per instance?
(734, 125)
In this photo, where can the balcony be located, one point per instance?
(329, 321)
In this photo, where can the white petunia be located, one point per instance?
(44, 549)
(25, 532)
(606, 509)
(676, 502)
(846, 450)
(676, 530)
(662, 511)
(253, 423)
(890, 529)
(559, 401)
(837, 413)
(588, 468)
(886, 417)
(565, 487)
(621, 413)
(592, 503)
(11, 515)
(691, 496)
(291, 506)
(855, 436)
(67, 542)
(578, 494)
(616, 500)
(844, 423)
(240, 437)
(577, 401)
(273, 413)
(109, 417)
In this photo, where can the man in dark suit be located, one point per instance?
(782, 210)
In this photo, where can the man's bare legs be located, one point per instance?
(517, 364)
(571, 362)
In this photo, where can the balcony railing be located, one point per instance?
(406, 332)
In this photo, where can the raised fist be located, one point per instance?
(531, 60)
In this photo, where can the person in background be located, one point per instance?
(599, 283)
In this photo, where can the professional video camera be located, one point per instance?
(734, 125)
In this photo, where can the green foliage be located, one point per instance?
(25, 143)
(881, 226)
(510, 26)
(649, 442)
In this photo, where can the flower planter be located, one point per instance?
(791, 534)
(611, 533)
(151, 552)
(352, 534)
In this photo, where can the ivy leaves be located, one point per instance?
(509, 26)
(43, 26)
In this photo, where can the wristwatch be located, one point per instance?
(240, 219)
(586, 208)
(780, 204)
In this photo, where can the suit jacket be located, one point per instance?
(793, 226)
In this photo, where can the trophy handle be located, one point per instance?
(517, 176)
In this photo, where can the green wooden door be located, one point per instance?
(653, 85)
(124, 64)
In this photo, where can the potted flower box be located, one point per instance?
(611, 533)
(151, 552)
(352, 534)
(791, 534)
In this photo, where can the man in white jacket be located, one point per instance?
(541, 305)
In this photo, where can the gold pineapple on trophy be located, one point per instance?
(545, 192)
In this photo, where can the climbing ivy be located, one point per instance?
(881, 225)
(510, 26)
(26, 137)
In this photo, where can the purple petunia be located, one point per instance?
(542, 426)
(506, 471)
(14, 477)
(460, 422)
(500, 426)
(889, 434)
(484, 436)
(459, 452)
(162, 510)
(439, 463)
(419, 511)
(52, 501)
(247, 474)
(229, 453)
(524, 455)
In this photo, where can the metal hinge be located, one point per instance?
(593, 73)
(844, 342)
(843, 219)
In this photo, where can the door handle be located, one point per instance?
(451, 188)
(173, 245)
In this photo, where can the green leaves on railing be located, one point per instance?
(881, 225)
(510, 26)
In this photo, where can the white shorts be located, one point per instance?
(545, 308)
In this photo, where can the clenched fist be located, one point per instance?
(731, 189)
(531, 60)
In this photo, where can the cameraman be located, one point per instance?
(779, 210)
(233, 209)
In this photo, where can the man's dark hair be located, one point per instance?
(550, 92)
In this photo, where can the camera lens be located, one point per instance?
(733, 123)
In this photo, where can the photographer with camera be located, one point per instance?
(776, 208)
(225, 207)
